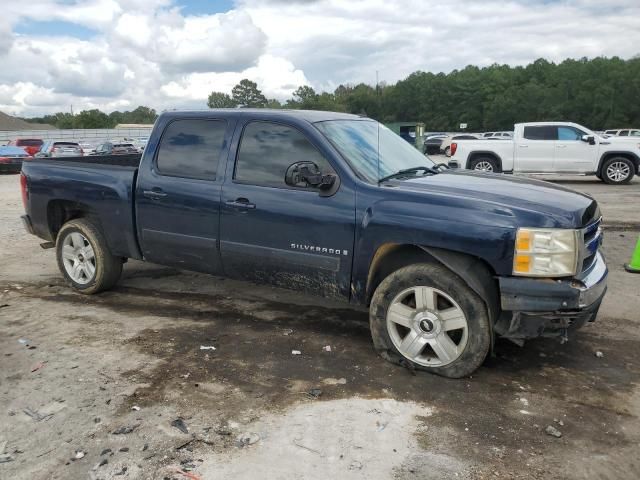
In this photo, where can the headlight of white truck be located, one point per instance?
(546, 252)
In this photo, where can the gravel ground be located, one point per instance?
(116, 386)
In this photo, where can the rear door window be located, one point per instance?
(624, 133)
(192, 148)
(542, 132)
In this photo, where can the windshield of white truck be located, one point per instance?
(371, 149)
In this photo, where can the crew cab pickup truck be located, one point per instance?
(552, 147)
(336, 205)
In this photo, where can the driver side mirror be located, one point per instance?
(590, 139)
(307, 174)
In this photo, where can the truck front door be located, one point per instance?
(572, 154)
(178, 195)
(535, 150)
(274, 233)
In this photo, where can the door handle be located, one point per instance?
(523, 146)
(241, 203)
(154, 194)
(561, 146)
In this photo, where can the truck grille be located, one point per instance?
(592, 239)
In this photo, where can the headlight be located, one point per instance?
(546, 252)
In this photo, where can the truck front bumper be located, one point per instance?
(550, 308)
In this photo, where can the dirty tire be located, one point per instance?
(108, 267)
(447, 151)
(476, 163)
(611, 175)
(438, 277)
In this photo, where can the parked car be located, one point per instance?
(432, 144)
(626, 132)
(109, 148)
(52, 148)
(445, 146)
(11, 158)
(498, 135)
(339, 206)
(31, 145)
(552, 147)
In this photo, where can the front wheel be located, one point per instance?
(426, 317)
(617, 171)
(84, 257)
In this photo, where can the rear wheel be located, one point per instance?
(485, 164)
(84, 257)
(617, 170)
(447, 151)
(425, 317)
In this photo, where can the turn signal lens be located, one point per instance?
(522, 264)
(523, 241)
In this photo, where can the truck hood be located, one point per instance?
(534, 202)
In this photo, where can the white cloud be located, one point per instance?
(277, 78)
(150, 52)
(214, 43)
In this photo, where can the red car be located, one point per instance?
(31, 145)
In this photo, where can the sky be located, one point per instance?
(170, 54)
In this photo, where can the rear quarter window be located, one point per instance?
(542, 132)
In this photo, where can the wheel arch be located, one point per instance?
(483, 153)
(60, 212)
(623, 154)
(475, 272)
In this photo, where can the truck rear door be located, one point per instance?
(282, 235)
(178, 194)
(535, 149)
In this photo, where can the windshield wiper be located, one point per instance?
(404, 172)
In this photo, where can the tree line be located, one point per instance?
(598, 93)
(96, 119)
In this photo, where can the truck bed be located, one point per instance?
(103, 185)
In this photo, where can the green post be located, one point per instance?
(634, 265)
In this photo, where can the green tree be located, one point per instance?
(247, 94)
(220, 100)
(93, 119)
(304, 98)
(273, 103)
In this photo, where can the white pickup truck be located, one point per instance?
(553, 148)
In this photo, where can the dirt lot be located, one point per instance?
(113, 378)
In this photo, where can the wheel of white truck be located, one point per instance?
(447, 151)
(484, 164)
(617, 170)
(425, 317)
(84, 257)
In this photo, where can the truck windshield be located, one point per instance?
(371, 149)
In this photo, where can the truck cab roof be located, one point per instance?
(310, 116)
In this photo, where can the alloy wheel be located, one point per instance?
(427, 326)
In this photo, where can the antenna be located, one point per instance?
(378, 127)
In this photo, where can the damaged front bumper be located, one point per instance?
(550, 308)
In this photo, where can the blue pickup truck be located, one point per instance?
(339, 206)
